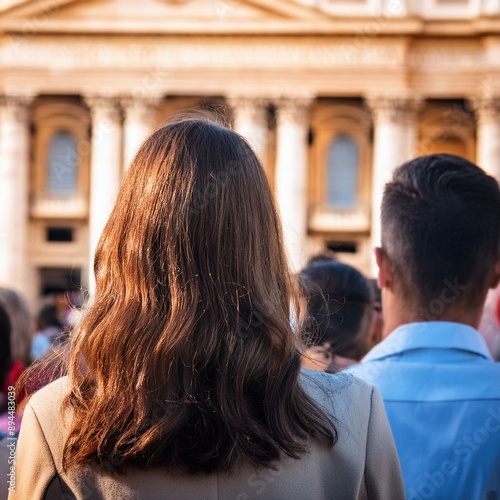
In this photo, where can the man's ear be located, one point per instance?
(385, 272)
(496, 275)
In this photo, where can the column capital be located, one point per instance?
(293, 109)
(395, 109)
(243, 101)
(15, 106)
(485, 106)
(253, 108)
(104, 107)
(143, 108)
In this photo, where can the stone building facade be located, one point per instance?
(332, 94)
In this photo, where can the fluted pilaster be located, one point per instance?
(293, 118)
(250, 121)
(105, 168)
(487, 111)
(14, 189)
(395, 141)
(141, 118)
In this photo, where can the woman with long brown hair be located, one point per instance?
(184, 375)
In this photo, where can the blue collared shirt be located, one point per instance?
(442, 396)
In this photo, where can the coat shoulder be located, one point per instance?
(340, 395)
(50, 395)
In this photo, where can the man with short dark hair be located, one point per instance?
(440, 255)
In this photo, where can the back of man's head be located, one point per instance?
(441, 230)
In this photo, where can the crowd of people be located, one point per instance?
(204, 369)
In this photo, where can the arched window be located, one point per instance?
(62, 164)
(343, 160)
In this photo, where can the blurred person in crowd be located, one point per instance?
(21, 332)
(184, 374)
(68, 304)
(49, 330)
(21, 325)
(5, 367)
(440, 255)
(40, 375)
(5, 358)
(338, 315)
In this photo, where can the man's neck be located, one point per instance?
(398, 314)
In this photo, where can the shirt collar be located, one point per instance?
(430, 335)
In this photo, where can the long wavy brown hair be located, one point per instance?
(186, 358)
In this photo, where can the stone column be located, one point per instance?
(14, 191)
(291, 175)
(487, 111)
(250, 121)
(395, 141)
(141, 119)
(105, 168)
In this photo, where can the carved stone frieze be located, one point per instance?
(201, 53)
(464, 57)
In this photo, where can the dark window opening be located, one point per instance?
(342, 246)
(60, 234)
(310, 137)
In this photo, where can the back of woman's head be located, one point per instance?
(20, 325)
(339, 302)
(187, 346)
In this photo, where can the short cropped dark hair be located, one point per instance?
(441, 228)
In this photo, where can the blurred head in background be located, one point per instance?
(20, 323)
(5, 350)
(336, 314)
(49, 330)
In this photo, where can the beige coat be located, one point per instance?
(362, 465)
